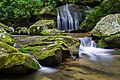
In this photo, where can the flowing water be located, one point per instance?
(68, 18)
(88, 49)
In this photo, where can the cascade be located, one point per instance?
(88, 48)
(68, 18)
(44, 69)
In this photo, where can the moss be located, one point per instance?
(102, 43)
(5, 48)
(94, 15)
(5, 37)
(20, 62)
(5, 27)
(40, 26)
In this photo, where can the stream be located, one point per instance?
(86, 67)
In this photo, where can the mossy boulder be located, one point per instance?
(107, 26)
(23, 31)
(6, 37)
(94, 15)
(50, 50)
(47, 53)
(52, 32)
(6, 28)
(39, 26)
(17, 63)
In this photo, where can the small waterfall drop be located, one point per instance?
(68, 18)
(88, 48)
(43, 68)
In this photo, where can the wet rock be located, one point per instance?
(47, 53)
(94, 15)
(40, 26)
(17, 63)
(49, 50)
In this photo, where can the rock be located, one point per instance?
(23, 31)
(17, 63)
(49, 50)
(47, 53)
(6, 49)
(107, 26)
(6, 28)
(40, 26)
(94, 15)
(6, 37)
(110, 42)
(108, 29)
(52, 32)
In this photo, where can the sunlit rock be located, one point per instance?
(40, 26)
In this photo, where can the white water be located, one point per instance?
(88, 49)
(67, 18)
(44, 69)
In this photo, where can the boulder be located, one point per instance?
(17, 63)
(47, 53)
(47, 48)
(107, 26)
(6, 37)
(94, 15)
(108, 29)
(39, 26)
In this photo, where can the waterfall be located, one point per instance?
(88, 48)
(68, 18)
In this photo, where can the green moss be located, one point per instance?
(18, 59)
(102, 43)
(40, 26)
(5, 37)
(5, 48)
(5, 27)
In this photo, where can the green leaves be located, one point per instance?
(17, 10)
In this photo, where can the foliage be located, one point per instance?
(13, 12)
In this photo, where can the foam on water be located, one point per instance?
(88, 49)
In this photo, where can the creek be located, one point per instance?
(93, 64)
